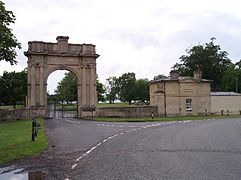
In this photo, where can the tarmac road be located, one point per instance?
(209, 149)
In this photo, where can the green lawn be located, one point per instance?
(11, 107)
(67, 107)
(16, 140)
(122, 104)
(160, 119)
(73, 107)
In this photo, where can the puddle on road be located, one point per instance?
(10, 173)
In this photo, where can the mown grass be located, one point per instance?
(16, 140)
(11, 107)
(67, 107)
(73, 107)
(122, 104)
(160, 119)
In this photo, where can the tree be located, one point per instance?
(232, 78)
(112, 89)
(159, 76)
(13, 87)
(8, 41)
(142, 90)
(100, 90)
(212, 61)
(126, 84)
(67, 88)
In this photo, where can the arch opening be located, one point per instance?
(62, 94)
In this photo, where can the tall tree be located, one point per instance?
(100, 90)
(212, 61)
(112, 89)
(126, 84)
(142, 90)
(159, 76)
(13, 87)
(67, 88)
(8, 41)
(232, 78)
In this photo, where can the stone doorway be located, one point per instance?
(45, 58)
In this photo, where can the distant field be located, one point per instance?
(73, 107)
(11, 107)
(123, 104)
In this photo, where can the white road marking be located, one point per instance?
(121, 133)
(74, 166)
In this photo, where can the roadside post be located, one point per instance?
(35, 127)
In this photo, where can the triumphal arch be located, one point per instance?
(45, 58)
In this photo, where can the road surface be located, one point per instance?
(80, 149)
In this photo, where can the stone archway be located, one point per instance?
(45, 58)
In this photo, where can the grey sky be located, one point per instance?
(142, 36)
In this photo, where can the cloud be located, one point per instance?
(145, 37)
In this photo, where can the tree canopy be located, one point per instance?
(13, 87)
(212, 61)
(67, 89)
(8, 41)
(126, 84)
(112, 89)
(127, 88)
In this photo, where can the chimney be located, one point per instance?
(62, 44)
(174, 74)
(197, 74)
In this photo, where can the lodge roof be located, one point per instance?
(180, 79)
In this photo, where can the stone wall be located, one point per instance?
(230, 103)
(127, 112)
(17, 114)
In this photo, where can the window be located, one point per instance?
(189, 104)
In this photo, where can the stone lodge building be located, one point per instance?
(181, 96)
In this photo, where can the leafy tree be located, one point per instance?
(100, 90)
(212, 61)
(67, 88)
(13, 87)
(112, 89)
(126, 84)
(159, 76)
(8, 41)
(142, 90)
(232, 78)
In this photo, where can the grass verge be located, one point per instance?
(11, 107)
(159, 119)
(16, 140)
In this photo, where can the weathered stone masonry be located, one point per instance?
(45, 58)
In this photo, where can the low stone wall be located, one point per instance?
(17, 114)
(127, 112)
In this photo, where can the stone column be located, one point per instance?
(33, 86)
(83, 87)
(79, 90)
(29, 86)
(92, 84)
(41, 84)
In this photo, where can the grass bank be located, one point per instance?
(16, 141)
(160, 119)
(11, 107)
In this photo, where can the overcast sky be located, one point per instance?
(146, 37)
